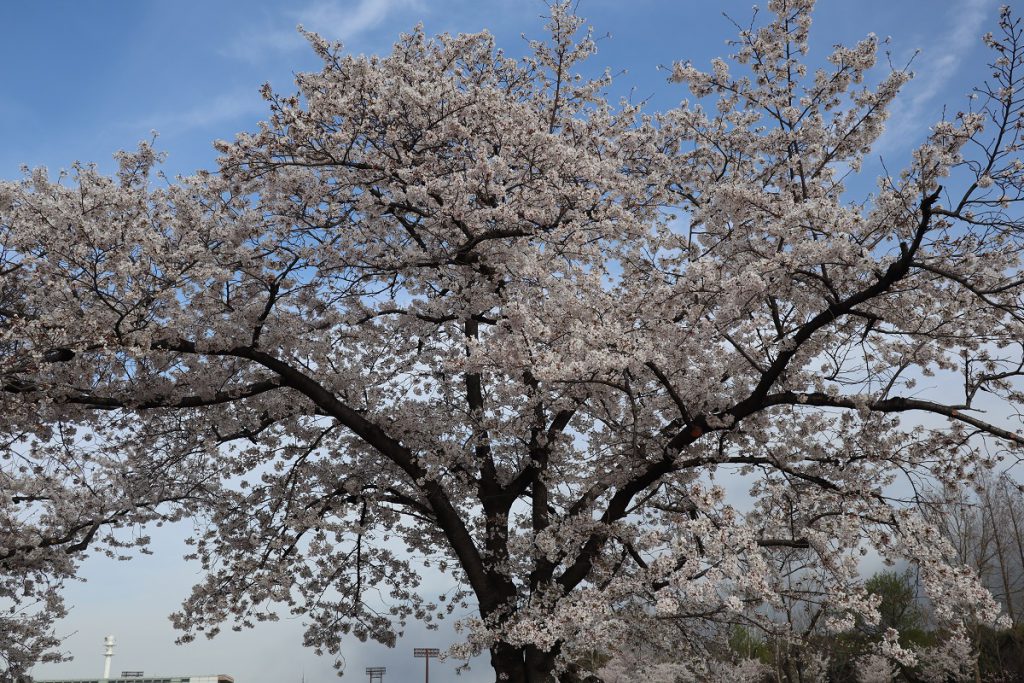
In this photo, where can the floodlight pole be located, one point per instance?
(426, 653)
(376, 673)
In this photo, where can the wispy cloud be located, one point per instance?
(341, 20)
(936, 67)
(223, 108)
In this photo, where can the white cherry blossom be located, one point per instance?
(433, 310)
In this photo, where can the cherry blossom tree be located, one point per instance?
(450, 309)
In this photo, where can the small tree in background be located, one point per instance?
(898, 607)
(984, 525)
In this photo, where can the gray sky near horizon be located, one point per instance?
(84, 79)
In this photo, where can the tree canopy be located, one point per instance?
(452, 306)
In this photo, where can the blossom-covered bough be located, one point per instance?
(450, 308)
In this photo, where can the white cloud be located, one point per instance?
(341, 20)
(935, 69)
(223, 108)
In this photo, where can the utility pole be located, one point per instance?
(426, 653)
(376, 673)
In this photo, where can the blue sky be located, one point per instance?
(83, 78)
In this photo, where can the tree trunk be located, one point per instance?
(529, 665)
(507, 662)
